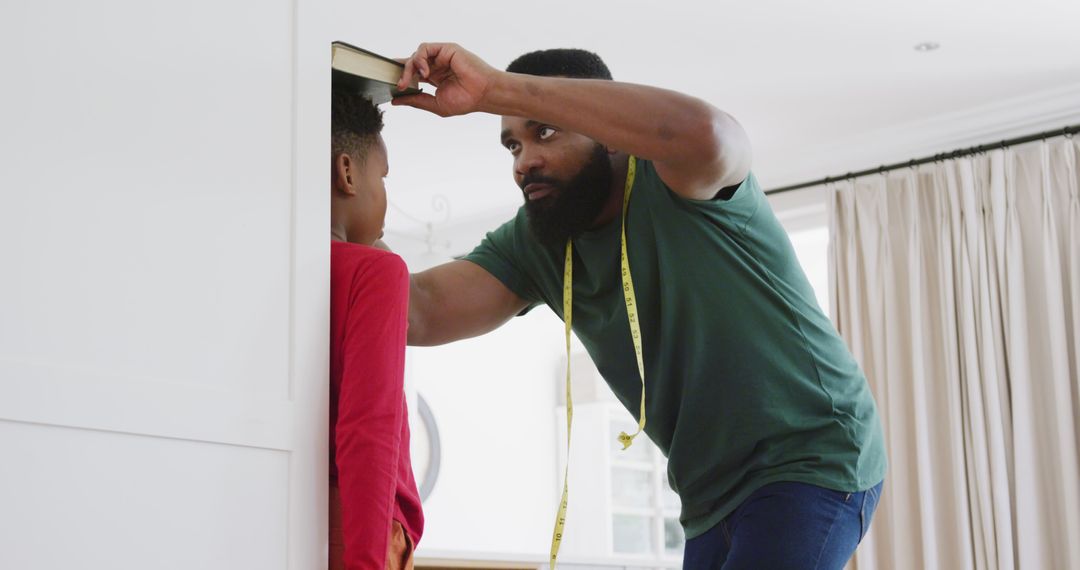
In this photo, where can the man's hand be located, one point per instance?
(461, 79)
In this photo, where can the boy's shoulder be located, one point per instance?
(354, 254)
(352, 264)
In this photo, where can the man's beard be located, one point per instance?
(574, 205)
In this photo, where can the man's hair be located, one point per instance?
(575, 63)
(355, 122)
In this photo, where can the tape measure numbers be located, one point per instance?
(635, 335)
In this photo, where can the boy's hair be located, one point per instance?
(575, 63)
(355, 122)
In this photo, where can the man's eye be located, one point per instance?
(545, 132)
(512, 146)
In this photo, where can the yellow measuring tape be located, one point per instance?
(635, 335)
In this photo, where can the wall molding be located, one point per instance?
(999, 120)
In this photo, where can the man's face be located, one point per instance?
(565, 177)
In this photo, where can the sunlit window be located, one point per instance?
(644, 509)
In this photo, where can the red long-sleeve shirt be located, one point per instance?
(369, 428)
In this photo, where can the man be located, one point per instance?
(772, 436)
(375, 514)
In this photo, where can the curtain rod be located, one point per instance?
(1067, 132)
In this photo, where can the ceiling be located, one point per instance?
(822, 87)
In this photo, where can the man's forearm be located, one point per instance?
(416, 303)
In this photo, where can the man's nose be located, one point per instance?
(529, 160)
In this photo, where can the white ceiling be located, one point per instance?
(822, 87)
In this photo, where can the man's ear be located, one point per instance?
(345, 174)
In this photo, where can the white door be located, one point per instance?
(163, 284)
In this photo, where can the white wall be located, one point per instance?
(163, 298)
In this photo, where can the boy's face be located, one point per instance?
(370, 199)
(358, 193)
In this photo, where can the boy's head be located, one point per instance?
(358, 165)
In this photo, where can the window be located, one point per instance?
(805, 218)
(812, 248)
(644, 509)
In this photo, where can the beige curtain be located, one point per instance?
(957, 286)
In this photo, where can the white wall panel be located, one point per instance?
(90, 499)
(145, 221)
(163, 284)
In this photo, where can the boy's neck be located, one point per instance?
(337, 229)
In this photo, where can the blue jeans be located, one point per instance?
(786, 526)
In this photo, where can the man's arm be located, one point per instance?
(696, 148)
(457, 300)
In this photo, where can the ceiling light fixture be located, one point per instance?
(927, 46)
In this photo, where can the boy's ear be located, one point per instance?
(345, 175)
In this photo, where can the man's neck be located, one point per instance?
(613, 207)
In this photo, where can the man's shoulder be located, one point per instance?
(511, 234)
(746, 195)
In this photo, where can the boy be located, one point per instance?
(375, 513)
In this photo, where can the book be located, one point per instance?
(372, 74)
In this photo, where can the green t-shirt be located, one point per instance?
(747, 381)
